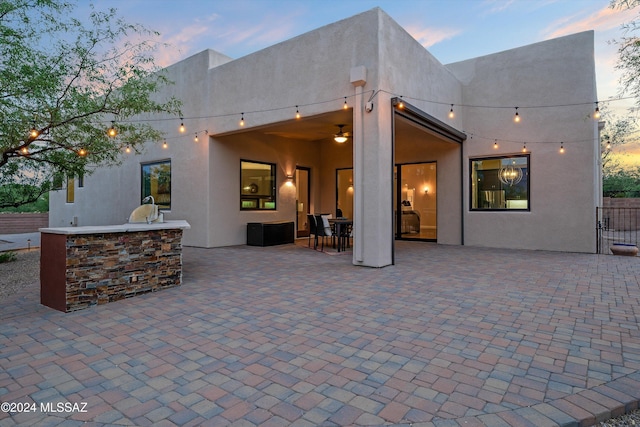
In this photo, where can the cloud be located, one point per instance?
(428, 37)
(603, 20)
(496, 6)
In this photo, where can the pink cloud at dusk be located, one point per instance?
(603, 20)
(428, 37)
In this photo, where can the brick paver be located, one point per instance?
(449, 335)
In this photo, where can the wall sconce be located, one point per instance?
(426, 190)
(289, 182)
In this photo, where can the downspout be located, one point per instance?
(358, 77)
(462, 193)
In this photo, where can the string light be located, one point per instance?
(33, 133)
(562, 147)
(24, 151)
(82, 152)
(400, 105)
(112, 132)
(127, 150)
(164, 144)
(495, 144)
(608, 145)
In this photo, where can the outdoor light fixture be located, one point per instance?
(562, 147)
(516, 118)
(242, 119)
(33, 133)
(297, 113)
(82, 152)
(451, 113)
(524, 148)
(340, 137)
(164, 144)
(289, 182)
(182, 128)
(112, 132)
(196, 138)
(495, 144)
(345, 106)
(596, 113)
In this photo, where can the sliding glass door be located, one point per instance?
(415, 201)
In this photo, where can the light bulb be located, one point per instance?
(165, 145)
(182, 128)
(297, 113)
(82, 152)
(196, 138)
(516, 118)
(495, 145)
(596, 113)
(242, 120)
(562, 147)
(345, 106)
(524, 148)
(112, 132)
(451, 113)
(128, 149)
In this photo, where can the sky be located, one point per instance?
(452, 30)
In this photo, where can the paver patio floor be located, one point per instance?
(284, 335)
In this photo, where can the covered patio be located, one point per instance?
(449, 335)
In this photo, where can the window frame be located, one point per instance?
(500, 158)
(258, 202)
(157, 200)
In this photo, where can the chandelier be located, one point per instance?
(510, 175)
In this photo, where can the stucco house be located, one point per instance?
(432, 152)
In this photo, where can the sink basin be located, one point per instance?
(145, 213)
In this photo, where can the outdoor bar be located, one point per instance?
(85, 266)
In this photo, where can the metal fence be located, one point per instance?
(616, 225)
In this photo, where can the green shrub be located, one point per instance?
(7, 256)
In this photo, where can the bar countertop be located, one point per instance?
(122, 228)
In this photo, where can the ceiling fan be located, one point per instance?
(341, 136)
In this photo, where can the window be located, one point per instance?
(500, 183)
(71, 190)
(156, 182)
(257, 186)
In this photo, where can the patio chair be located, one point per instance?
(313, 229)
(324, 229)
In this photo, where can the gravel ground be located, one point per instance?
(15, 275)
(25, 271)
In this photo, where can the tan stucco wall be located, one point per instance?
(564, 193)
(313, 68)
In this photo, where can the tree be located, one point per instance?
(63, 83)
(629, 51)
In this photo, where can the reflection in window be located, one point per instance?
(500, 183)
(257, 186)
(156, 182)
(344, 196)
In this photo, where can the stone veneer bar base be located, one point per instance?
(85, 266)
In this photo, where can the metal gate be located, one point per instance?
(616, 225)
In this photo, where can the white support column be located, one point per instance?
(373, 177)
